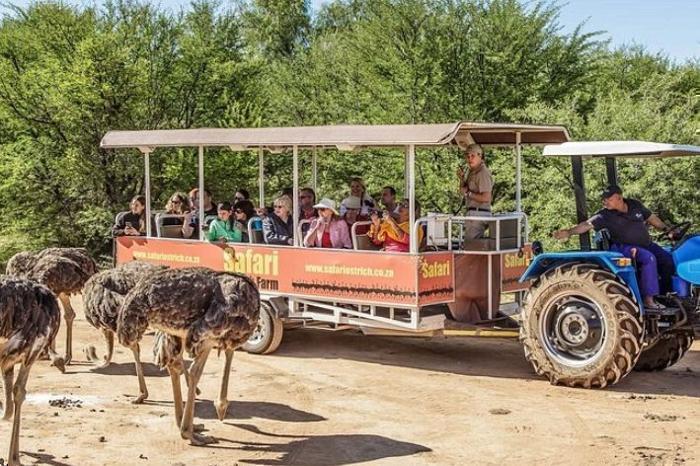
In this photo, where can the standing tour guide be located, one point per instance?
(626, 220)
(476, 189)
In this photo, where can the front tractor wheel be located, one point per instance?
(667, 351)
(581, 327)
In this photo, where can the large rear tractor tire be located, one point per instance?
(267, 336)
(581, 327)
(670, 348)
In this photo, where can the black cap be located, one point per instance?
(610, 190)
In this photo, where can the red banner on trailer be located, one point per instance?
(365, 277)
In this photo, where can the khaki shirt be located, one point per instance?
(479, 181)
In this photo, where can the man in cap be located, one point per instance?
(476, 188)
(626, 220)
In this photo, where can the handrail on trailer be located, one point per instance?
(522, 228)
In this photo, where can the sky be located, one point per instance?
(671, 27)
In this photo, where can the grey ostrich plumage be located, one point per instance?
(104, 292)
(196, 304)
(29, 321)
(196, 309)
(63, 270)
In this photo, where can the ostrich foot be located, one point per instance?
(199, 440)
(140, 399)
(221, 409)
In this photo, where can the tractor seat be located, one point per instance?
(602, 239)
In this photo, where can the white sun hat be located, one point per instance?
(326, 203)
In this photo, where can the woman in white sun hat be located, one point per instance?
(328, 230)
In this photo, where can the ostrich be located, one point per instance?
(198, 309)
(29, 321)
(103, 294)
(64, 271)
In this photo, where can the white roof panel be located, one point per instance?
(343, 136)
(620, 149)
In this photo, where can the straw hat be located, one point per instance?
(326, 203)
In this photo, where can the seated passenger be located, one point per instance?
(328, 230)
(190, 228)
(357, 189)
(133, 221)
(243, 211)
(307, 199)
(391, 234)
(241, 195)
(221, 229)
(389, 200)
(278, 227)
(353, 205)
(176, 205)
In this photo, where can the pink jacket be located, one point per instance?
(340, 235)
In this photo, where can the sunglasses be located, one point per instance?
(238, 211)
(279, 206)
(176, 201)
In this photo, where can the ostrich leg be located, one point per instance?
(8, 380)
(20, 391)
(222, 402)
(143, 391)
(68, 316)
(175, 369)
(109, 340)
(187, 426)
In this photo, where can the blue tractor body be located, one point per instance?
(605, 259)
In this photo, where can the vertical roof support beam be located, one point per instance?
(580, 196)
(295, 194)
(147, 187)
(518, 173)
(261, 176)
(314, 170)
(200, 166)
(611, 169)
(411, 194)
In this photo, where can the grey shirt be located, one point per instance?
(479, 181)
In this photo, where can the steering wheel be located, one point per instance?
(677, 232)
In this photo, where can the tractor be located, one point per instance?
(584, 323)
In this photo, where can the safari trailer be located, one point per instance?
(423, 293)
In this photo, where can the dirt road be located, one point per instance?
(334, 399)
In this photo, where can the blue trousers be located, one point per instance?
(654, 265)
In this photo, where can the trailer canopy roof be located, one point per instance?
(346, 137)
(620, 149)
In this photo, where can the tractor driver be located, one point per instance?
(626, 220)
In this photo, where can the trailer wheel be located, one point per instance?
(581, 327)
(667, 351)
(267, 336)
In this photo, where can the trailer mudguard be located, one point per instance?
(605, 259)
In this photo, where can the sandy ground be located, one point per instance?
(342, 398)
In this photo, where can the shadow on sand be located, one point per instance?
(327, 450)
(204, 409)
(501, 358)
(128, 368)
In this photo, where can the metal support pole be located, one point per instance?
(314, 171)
(261, 176)
(580, 196)
(201, 193)
(411, 194)
(518, 173)
(147, 188)
(295, 194)
(611, 169)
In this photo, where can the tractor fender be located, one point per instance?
(607, 260)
